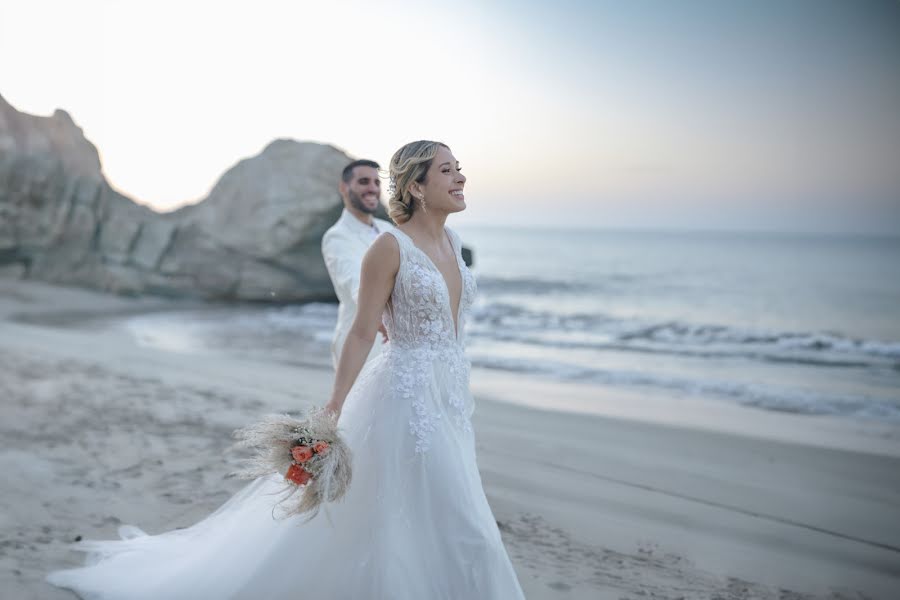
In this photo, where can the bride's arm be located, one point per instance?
(379, 270)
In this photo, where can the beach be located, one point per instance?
(614, 494)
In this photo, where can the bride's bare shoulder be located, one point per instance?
(386, 243)
(384, 252)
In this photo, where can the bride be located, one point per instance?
(415, 523)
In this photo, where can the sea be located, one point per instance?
(805, 324)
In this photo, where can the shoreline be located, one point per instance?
(634, 403)
(630, 503)
(865, 436)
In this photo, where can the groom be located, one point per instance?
(344, 245)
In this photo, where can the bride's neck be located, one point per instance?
(429, 226)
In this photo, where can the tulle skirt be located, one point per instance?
(413, 525)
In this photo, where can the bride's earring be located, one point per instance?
(421, 198)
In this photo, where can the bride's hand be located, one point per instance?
(332, 407)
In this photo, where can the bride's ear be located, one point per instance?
(415, 190)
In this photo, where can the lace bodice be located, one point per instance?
(424, 338)
(420, 311)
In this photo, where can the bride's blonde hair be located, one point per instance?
(410, 163)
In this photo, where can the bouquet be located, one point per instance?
(309, 452)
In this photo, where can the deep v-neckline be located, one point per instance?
(462, 283)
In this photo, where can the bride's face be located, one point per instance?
(443, 187)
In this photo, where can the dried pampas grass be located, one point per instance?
(272, 440)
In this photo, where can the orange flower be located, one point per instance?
(320, 447)
(297, 474)
(301, 453)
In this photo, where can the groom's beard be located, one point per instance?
(358, 204)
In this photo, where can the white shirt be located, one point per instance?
(343, 247)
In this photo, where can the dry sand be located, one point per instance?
(647, 498)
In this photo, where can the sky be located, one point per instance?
(757, 114)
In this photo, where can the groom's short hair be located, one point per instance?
(347, 174)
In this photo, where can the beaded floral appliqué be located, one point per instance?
(422, 334)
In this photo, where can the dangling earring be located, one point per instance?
(422, 201)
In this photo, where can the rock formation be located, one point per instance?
(256, 237)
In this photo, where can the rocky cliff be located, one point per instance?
(255, 237)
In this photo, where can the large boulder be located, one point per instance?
(256, 237)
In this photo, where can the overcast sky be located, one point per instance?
(755, 114)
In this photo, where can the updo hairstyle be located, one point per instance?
(410, 163)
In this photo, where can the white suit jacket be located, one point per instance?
(343, 247)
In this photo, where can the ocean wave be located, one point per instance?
(507, 322)
(766, 397)
(718, 353)
(505, 317)
(674, 332)
(531, 286)
(235, 328)
(315, 315)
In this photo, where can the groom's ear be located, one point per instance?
(342, 188)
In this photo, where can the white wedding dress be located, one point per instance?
(415, 523)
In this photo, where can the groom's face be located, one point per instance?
(364, 189)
